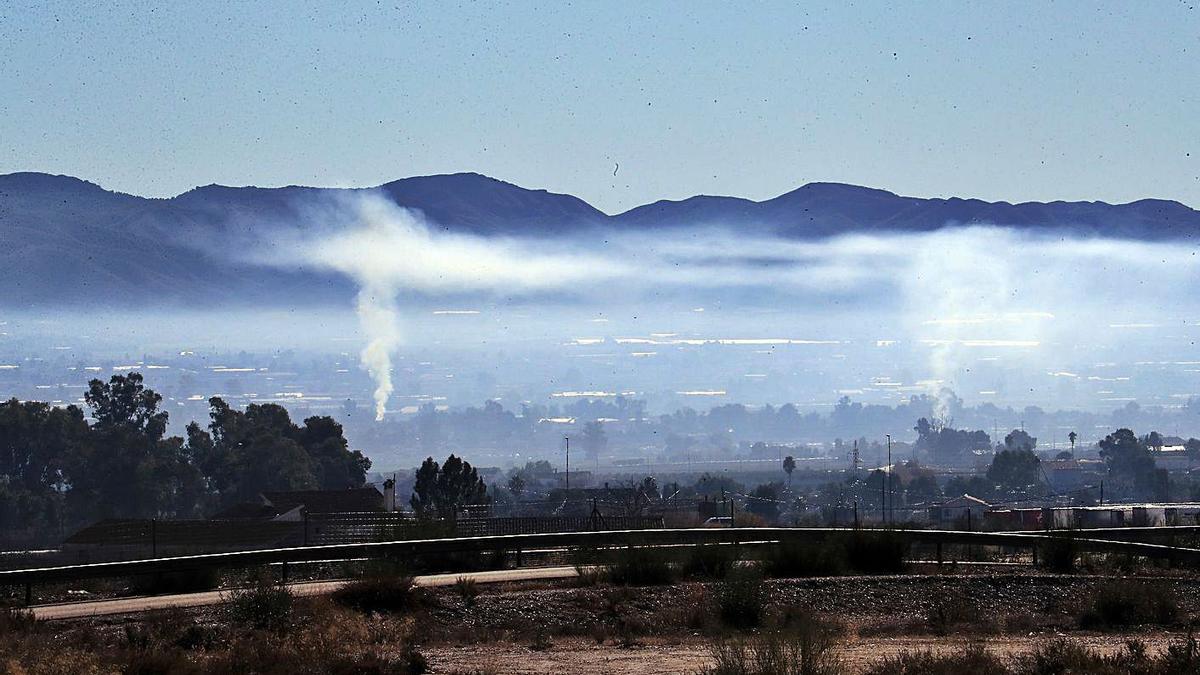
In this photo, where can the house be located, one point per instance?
(277, 519)
(1173, 458)
(122, 539)
(965, 512)
(294, 504)
(1027, 519)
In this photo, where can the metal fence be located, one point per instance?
(481, 527)
(134, 539)
(518, 542)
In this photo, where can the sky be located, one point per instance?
(618, 103)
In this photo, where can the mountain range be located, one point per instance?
(69, 242)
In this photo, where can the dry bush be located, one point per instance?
(380, 594)
(693, 610)
(876, 552)
(1059, 552)
(973, 659)
(1055, 657)
(950, 613)
(742, 598)
(640, 566)
(177, 581)
(467, 589)
(262, 606)
(795, 559)
(16, 621)
(1126, 604)
(806, 648)
(709, 561)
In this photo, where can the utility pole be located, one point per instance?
(889, 478)
(883, 499)
(567, 442)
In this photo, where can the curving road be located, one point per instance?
(76, 610)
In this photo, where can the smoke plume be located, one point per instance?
(953, 292)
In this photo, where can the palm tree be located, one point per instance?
(1072, 436)
(789, 465)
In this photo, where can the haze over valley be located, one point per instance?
(454, 290)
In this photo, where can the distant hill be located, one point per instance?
(68, 241)
(826, 209)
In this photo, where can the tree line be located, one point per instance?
(60, 468)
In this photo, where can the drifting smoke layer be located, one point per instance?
(386, 249)
(957, 290)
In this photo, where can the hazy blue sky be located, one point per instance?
(1001, 100)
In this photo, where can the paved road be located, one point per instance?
(74, 610)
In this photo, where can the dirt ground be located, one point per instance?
(689, 655)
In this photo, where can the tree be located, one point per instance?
(39, 444)
(946, 444)
(516, 485)
(1019, 439)
(124, 404)
(976, 486)
(1129, 460)
(789, 465)
(1014, 469)
(336, 467)
(246, 453)
(442, 490)
(595, 441)
(923, 487)
(716, 486)
(764, 501)
(127, 469)
(1154, 441)
(649, 487)
(1071, 437)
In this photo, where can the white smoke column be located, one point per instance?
(386, 249)
(380, 321)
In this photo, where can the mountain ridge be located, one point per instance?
(50, 177)
(71, 240)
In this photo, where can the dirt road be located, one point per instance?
(75, 610)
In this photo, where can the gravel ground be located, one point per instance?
(1051, 599)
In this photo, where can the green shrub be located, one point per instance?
(742, 597)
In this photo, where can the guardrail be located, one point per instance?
(416, 548)
(1083, 540)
